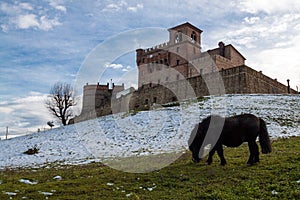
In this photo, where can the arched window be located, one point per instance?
(194, 37)
(178, 37)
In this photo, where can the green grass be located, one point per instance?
(275, 177)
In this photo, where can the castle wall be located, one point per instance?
(236, 80)
(257, 82)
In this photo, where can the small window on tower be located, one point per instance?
(194, 37)
(177, 38)
(177, 62)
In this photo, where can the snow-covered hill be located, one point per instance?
(163, 130)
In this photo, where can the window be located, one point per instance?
(177, 77)
(158, 82)
(194, 37)
(154, 99)
(177, 62)
(178, 49)
(176, 38)
(146, 101)
(201, 71)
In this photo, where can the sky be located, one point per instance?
(49, 41)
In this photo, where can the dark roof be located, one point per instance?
(187, 24)
(226, 46)
(236, 50)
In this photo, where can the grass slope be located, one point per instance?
(275, 177)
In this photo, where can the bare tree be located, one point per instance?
(60, 100)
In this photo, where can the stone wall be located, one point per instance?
(236, 80)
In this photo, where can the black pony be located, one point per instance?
(231, 132)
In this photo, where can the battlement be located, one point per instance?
(107, 87)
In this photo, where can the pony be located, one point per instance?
(231, 132)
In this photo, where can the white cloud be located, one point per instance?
(56, 4)
(24, 113)
(281, 63)
(47, 24)
(135, 8)
(31, 21)
(123, 5)
(27, 21)
(26, 6)
(269, 6)
(251, 20)
(127, 69)
(27, 16)
(114, 66)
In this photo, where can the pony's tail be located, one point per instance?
(264, 139)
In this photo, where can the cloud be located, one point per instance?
(251, 20)
(269, 6)
(114, 66)
(27, 21)
(55, 4)
(26, 6)
(24, 113)
(29, 16)
(47, 24)
(282, 62)
(122, 5)
(135, 8)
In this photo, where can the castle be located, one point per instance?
(179, 70)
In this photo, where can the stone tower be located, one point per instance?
(184, 45)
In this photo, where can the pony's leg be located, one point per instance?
(254, 154)
(221, 155)
(211, 153)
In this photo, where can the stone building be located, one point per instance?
(177, 70)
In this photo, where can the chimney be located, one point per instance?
(289, 88)
(222, 49)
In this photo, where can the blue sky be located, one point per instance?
(42, 42)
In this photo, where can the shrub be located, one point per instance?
(32, 151)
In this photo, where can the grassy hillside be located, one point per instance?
(277, 176)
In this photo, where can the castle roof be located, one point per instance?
(186, 24)
(227, 46)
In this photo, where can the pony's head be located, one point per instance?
(196, 140)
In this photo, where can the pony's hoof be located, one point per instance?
(208, 163)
